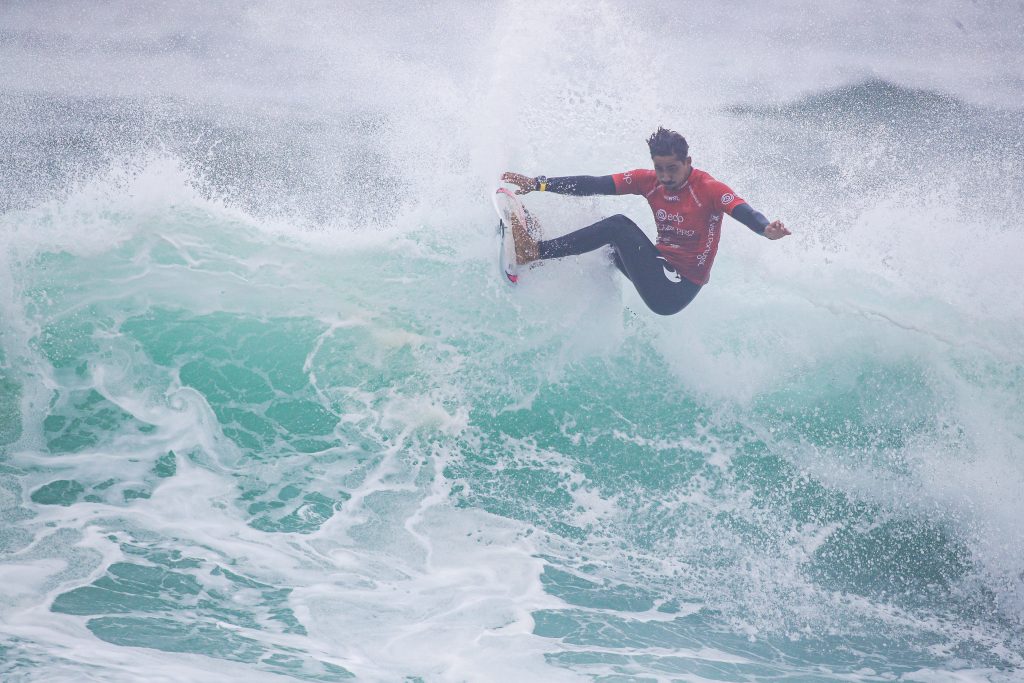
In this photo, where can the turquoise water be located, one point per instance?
(268, 412)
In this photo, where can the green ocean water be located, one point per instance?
(201, 412)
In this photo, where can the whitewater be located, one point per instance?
(269, 413)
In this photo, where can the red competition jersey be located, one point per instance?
(689, 220)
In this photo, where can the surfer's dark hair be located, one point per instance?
(665, 142)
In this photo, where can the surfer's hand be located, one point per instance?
(776, 230)
(524, 183)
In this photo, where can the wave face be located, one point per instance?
(267, 411)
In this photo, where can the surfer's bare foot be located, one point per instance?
(526, 245)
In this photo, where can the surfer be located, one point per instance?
(688, 205)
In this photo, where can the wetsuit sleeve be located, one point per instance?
(581, 185)
(755, 220)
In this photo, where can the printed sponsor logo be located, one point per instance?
(671, 274)
(671, 235)
(672, 199)
(663, 215)
(727, 197)
(713, 221)
(627, 178)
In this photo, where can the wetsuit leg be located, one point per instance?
(635, 255)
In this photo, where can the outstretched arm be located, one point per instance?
(578, 185)
(756, 221)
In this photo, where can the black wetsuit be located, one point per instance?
(659, 284)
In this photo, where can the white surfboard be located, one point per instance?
(507, 205)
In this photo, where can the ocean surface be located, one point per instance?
(269, 413)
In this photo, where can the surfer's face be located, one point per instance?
(672, 172)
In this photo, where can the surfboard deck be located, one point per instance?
(507, 205)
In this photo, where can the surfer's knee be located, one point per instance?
(626, 229)
(622, 219)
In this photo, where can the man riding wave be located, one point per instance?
(688, 206)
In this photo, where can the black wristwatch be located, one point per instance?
(540, 183)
